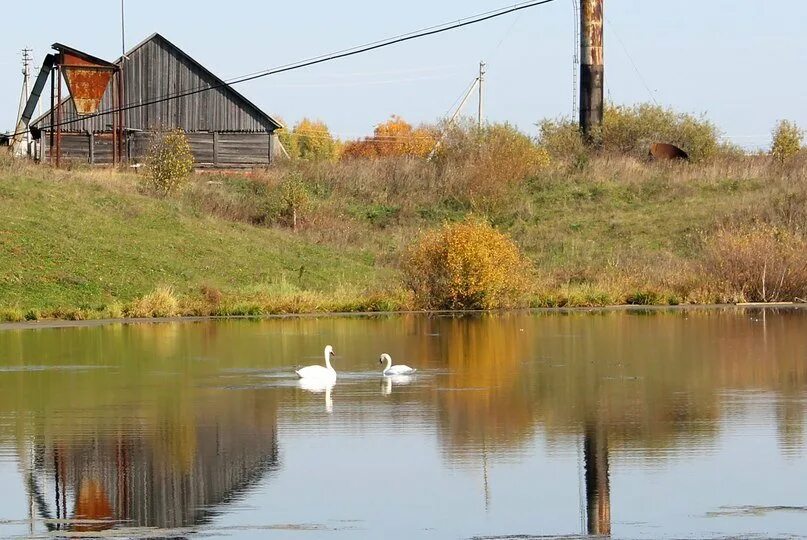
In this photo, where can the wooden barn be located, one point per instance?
(224, 128)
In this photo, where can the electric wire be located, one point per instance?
(630, 58)
(430, 31)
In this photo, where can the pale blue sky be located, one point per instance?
(739, 61)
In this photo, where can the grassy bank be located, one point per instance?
(86, 243)
(83, 243)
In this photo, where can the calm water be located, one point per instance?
(642, 424)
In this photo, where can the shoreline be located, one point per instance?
(64, 323)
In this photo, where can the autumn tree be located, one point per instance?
(310, 140)
(395, 137)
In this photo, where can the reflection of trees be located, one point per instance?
(653, 380)
(648, 381)
(483, 402)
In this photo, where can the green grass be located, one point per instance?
(69, 241)
(85, 243)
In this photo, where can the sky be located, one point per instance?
(739, 62)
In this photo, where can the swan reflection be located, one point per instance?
(396, 380)
(319, 386)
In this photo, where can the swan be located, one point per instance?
(326, 373)
(394, 370)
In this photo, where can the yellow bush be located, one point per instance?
(466, 265)
(758, 263)
(787, 138)
(159, 303)
(169, 162)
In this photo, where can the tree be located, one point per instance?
(395, 137)
(787, 139)
(310, 140)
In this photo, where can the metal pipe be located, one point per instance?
(51, 113)
(58, 114)
(592, 70)
(121, 115)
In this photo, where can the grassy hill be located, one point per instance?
(86, 243)
(86, 239)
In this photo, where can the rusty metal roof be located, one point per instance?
(81, 54)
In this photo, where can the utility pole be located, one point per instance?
(592, 70)
(481, 94)
(22, 140)
(122, 31)
(575, 57)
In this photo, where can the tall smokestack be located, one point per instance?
(592, 70)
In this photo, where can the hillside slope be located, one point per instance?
(74, 239)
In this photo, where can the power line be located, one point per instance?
(430, 31)
(630, 58)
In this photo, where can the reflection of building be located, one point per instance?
(171, 478)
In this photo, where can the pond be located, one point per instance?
(633, 423)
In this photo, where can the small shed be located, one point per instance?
(223, 127)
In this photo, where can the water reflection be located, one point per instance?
(319, 386)
(169, 426)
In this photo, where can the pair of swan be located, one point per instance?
(327, 373)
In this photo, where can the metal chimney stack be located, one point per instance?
(592, 70)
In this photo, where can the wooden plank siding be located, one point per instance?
(209, 149)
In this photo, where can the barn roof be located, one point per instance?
(216, 82)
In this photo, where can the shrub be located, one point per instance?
(488, 163)
(466, 265)
(758, 262)
(631, 129)
(787, 139)
(294, 199)
(169, 162)
(212, 295)
(561, 138)
(159, 303)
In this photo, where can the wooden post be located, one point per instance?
(92, 148)
(215, 148)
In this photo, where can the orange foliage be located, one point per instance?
(395, 137)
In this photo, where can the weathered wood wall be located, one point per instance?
(209, 149)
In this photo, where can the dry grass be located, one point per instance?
(159, 303)
(758, 263)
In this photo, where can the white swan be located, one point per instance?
(326, 373)
(394, 370)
